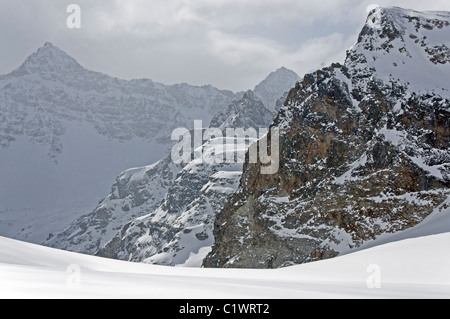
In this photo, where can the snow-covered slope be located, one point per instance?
(281, 80)
(412, 268)
(66, 132)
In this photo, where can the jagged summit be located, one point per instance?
(48, 59)
(364, 151)
(396, 22)
(250, 95)
(394, 14)
(281, 80)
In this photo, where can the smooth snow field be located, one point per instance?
(410, 268)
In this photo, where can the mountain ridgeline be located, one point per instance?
(364, 152)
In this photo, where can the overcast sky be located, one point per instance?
(231, 44)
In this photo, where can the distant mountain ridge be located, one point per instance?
(164, 213)
(50, 86)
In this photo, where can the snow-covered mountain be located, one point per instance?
(364, 151)
(51, 86)
(66, 132)
(248, 112)
(135, 193)
(281, 80)
(164, 213)
(413, 265)
(179, 230)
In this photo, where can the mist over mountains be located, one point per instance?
(67, 132)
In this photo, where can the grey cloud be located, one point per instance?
(230, 44)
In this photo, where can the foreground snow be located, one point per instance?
(410, 268)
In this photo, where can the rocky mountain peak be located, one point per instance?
(396, 45)
(244, 113)
(47, 60)
(249, 95)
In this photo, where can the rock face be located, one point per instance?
(364, 151)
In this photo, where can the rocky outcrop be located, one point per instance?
(364, 151)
